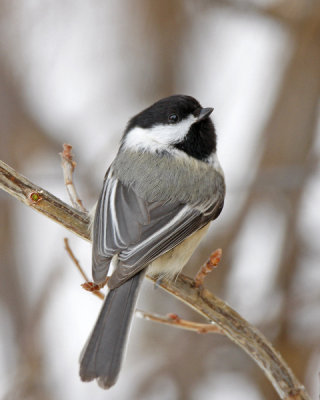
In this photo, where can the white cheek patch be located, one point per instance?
(158, 137)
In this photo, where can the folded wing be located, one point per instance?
(138, 231)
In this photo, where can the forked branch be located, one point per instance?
(201, 300)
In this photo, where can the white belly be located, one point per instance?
(172, 262)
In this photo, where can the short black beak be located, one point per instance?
(204, 113)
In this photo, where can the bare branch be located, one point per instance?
(240, 332)
(87, 285)
(177, 322)
(201, 300)
(42, 201)
(206, 268)
(75, 260)
(171, 319)
(68, 166)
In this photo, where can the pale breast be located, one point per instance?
(171, 263)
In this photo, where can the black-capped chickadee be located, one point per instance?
(158, 198)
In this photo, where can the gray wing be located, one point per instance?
(138, 231)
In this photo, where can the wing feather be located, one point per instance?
(138, 231)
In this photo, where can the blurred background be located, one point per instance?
(75, 71)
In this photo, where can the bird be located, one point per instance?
(159, 195)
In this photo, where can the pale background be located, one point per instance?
(75, 71)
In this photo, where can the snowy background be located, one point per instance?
(74, 72)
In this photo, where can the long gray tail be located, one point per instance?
(102, 355)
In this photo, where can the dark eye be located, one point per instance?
(173, 118)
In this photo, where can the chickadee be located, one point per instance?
(159, 196)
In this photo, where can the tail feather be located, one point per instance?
(102, 355)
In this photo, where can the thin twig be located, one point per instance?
(75, 260)
(171, 319)
(205, 303)
(206, 268)
(87, 286)
(177, 322)
(68, 166)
